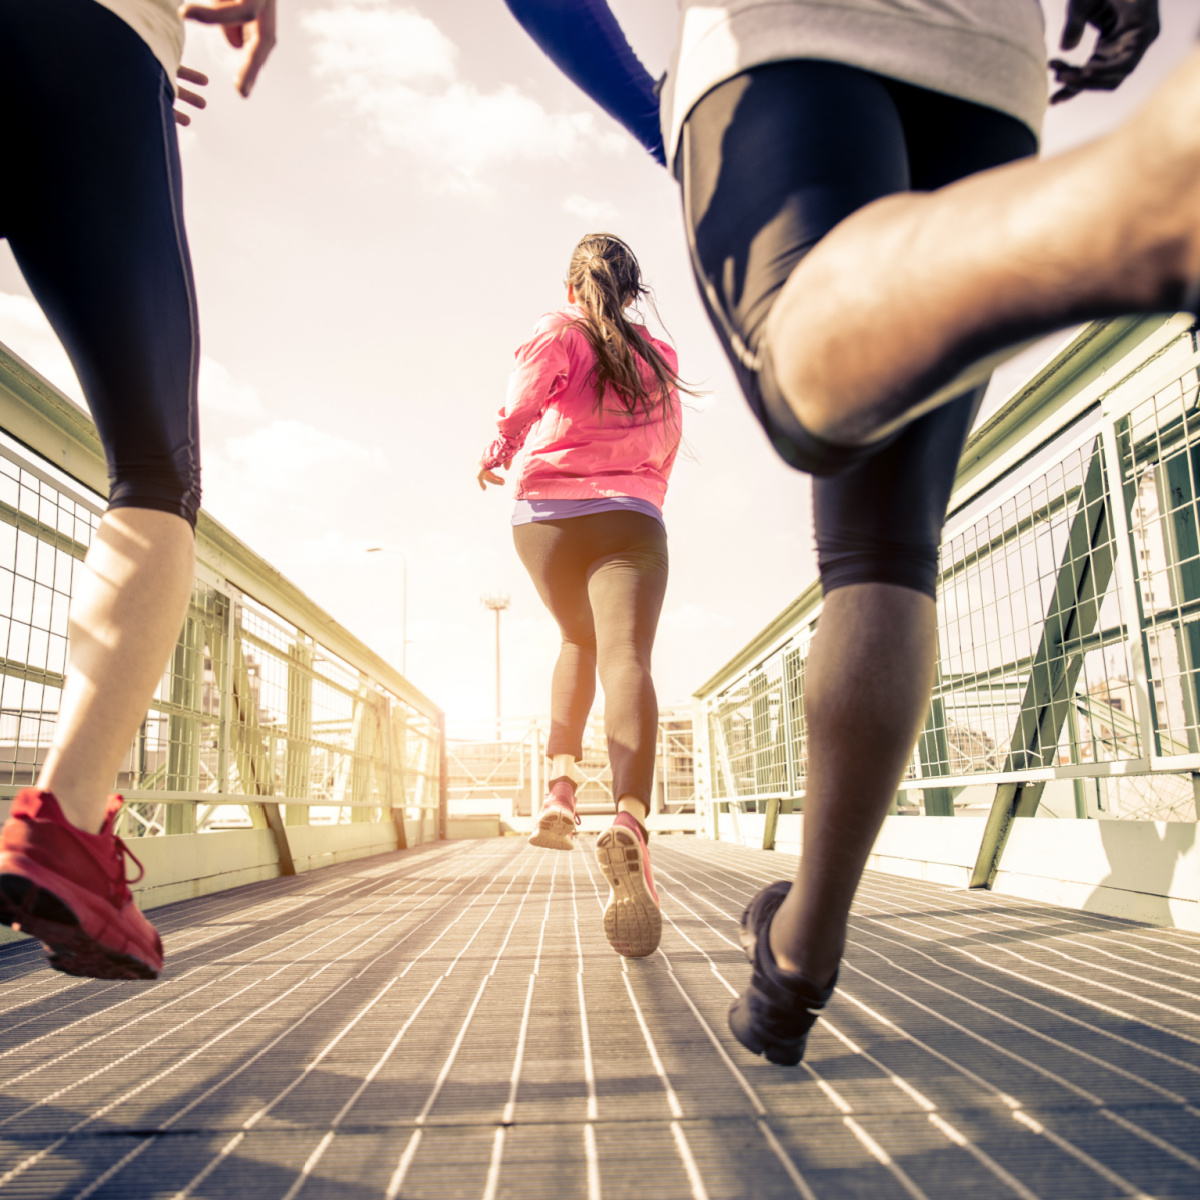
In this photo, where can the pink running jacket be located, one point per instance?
(572, 451)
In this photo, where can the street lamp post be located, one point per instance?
(404, 605)
(497, 602)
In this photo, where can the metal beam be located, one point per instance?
(1083, 578)
(443, 779)
(772, 823)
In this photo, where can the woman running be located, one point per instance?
(594, 402)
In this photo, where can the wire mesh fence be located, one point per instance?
(256, 717)
(1068, 614)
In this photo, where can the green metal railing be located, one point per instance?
(269, 714)
(1069, 612)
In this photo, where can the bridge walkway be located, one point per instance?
(450, 1022)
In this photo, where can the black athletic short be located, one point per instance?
(769, 162)
(91, 204)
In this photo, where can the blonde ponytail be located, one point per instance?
(605, 276)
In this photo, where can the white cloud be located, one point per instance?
(221, 393)
(396, 70)
(381, 44)
(595, 212)
(25, 330)
(286, 452)
(694, 619)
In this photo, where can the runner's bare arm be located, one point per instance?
(1127, 27)
(247, 23)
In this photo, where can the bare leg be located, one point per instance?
(911, 290)
(636, 808)
(126, 612)
(562, 764)
(869, 676)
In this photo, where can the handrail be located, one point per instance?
(268, 705)
(1069, 589)
(1072, 384)
(36, 414)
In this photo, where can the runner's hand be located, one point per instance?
(485, 477)
(1127, 27)
(249, 23)
(192, 98)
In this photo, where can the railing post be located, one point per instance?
(1083, 576)
(297, 762)
(789, 751)
(396, 814)
(225, 713)
(443, 779)
(287, 865)
(535, 769)
(1127, 586)
(183, 724)
(772, 822)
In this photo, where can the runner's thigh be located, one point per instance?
(769, 162)
(95, 220)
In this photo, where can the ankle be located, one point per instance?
(637, 808)
(818, 968)
(562, 766)
(84, 807)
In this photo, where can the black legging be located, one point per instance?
(770, 162)
(91, 201)
(603, 578)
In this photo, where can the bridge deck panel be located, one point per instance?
(450, 1022)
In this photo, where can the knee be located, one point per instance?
(907, 566)
(624, 666)
(170, 485)
(583, 645)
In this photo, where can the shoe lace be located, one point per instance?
(124, 852)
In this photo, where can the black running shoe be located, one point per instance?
(773, 1015)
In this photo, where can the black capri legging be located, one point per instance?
(603, 578)
(770, 162)
(91, 204)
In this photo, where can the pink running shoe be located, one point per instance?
(632, 920)
(68, 889)
(555, 829)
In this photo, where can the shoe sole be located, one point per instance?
(41, 914)
(782, 1054)
(555, 831)
(632, 921)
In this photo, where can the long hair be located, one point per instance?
(606, 277)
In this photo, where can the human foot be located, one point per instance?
(773, 1016)
(555, 828)
(67, 888)
(632, 920)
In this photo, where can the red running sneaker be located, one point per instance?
(632, 920)
(555, 828)
(67, 888)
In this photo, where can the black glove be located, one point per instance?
(1127, 27)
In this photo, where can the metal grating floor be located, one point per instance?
(450, 1022)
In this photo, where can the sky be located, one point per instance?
(374, 232)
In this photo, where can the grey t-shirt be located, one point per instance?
(990, 52)
(158, 24)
